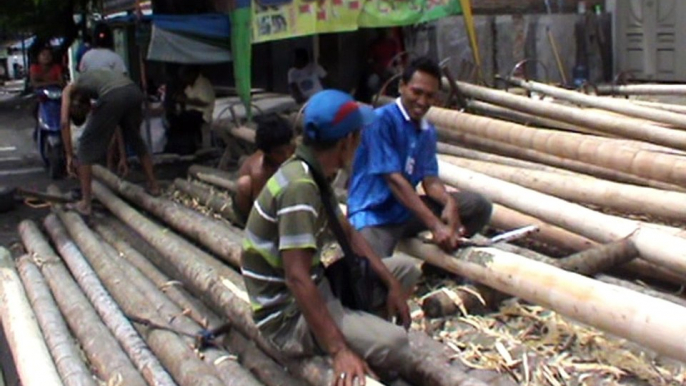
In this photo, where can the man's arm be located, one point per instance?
(295, 93)
(297, 264)
(435, 189)
(65, 128)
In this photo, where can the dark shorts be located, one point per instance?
(120, 107)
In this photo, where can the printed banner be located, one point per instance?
(281, 19)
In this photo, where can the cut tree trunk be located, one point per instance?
(504, 218)
(225, 293)
(479, 142)
(644, 269)
(213, 176)
(624, 127)
(582, 189)
(176, 355)
(22, 331)
(216, 201)
(68, 359)
(644, 290)
(599, 259)
(617, 105)
(109, 311)
(681, 109)
(658, 166)
(252, 358)
(210, 232)
(655, 246)
(642, 89)
(103, 351)
(462, 152)
(655, 323)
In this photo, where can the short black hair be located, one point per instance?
(102, 36)
(272, 131)
(422, 64)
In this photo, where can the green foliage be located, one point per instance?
(44, 18)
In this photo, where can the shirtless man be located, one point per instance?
(274, 143)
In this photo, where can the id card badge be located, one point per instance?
(409, 166)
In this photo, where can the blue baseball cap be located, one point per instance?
(333, 114)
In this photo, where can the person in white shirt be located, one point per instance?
(304, 79)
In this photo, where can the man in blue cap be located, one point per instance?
(292, 301)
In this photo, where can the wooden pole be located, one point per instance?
(655, 323)
(583, 189)
(214, 200)
(477, 141)
(67, 355)
(616, 105)
(22, 331)
(213, 176)
(657, 166)
(625, 127)
(644, 290)
(642, 89)
(104, 353)
(655, 246)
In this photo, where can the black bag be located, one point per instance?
(351, 278)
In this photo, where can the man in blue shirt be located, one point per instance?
(395, 155)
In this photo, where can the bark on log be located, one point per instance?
(213, 176)
(210, 232)
(655, 323)
(644, 290)
(445, 301)
(599, 259)
(103, 351)
(657, 247)
(225, 293)
(582, 189)
(478, 142)
(68, 359)
(625, 127)
(662, 167)
(504, 218)
(24, 336)
(185, 367)
(644, 269)
(462, 152)
(252, 358)
(616, 105)
(216, 201)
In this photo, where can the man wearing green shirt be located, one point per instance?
(292, 302)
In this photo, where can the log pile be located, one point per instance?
(121, 298)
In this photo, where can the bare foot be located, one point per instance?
(80, 207)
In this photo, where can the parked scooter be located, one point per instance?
(48, 135)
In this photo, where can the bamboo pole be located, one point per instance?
(662, 167)
(214, 200)
(22, 331)
(505, 218)
(253, 359)
(642, 89)
(655, 246)
(506, 114)
(654, 323)
(225, 293)
(216, 235)
(625, 127)
(623, 197)
(213, 176)
(478, 142)
(616, 105)
(462, 152)
(169, 346)
(68, 359)
(103, 351)
(109, 311)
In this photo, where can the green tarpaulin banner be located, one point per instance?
(241, 51)
(281, 19)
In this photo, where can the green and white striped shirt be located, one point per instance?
(288, 214)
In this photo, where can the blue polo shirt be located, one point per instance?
(394, 143)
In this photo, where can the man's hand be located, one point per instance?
(71, 168)
(396, 306)
(445, 237)
(348, 366)
(451, 216)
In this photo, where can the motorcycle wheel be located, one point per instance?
(56, 161)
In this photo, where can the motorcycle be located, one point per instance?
(48, 131)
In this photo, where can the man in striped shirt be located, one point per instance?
(292, 302)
